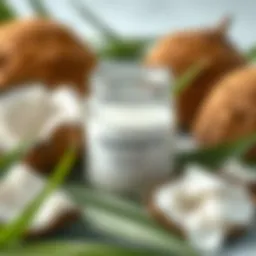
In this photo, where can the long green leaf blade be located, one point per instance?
(77, 249)
(189, 76)
(215, 156)
(6, 12)
(110, 202)
(13, 231)
(136, 232)
(124, 219)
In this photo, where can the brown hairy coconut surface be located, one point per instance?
(181, 50)
(230, 110)
(45, 51)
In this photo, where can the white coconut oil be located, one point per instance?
(130, 129)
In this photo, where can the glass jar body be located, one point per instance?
(130, 130)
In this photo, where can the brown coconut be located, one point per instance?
(45, 51)
(182, 50)
(230, 110)
(229, 113)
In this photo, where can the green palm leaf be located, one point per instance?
(126, 220)
(215, 156)
(188, 77)
(6, 12)
(77, 249)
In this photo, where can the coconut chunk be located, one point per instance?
(205, 207)
(35, 112)
(53, 211)
(19, 187)
(197, 180)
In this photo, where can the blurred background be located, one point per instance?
(133, 18)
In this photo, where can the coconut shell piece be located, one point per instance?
(182, 50)
(44, 51)
(230, 110)
(44, 156)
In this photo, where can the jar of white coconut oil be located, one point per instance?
(130, 128)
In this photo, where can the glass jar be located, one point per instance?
(130, 128)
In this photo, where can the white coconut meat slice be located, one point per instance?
(205, 207)
(19, 187)
(34, 112)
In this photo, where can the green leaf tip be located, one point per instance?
(189, 76)
(6, 12)
(250, 55)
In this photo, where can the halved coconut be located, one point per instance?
(19, 187)
(42, 50)
(51, 119)
(205, 208)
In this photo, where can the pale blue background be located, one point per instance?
(152, 17)
(134, 18)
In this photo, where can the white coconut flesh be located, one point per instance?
(33, 113)
(205, 206)
(240, 171)
(19, 187)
